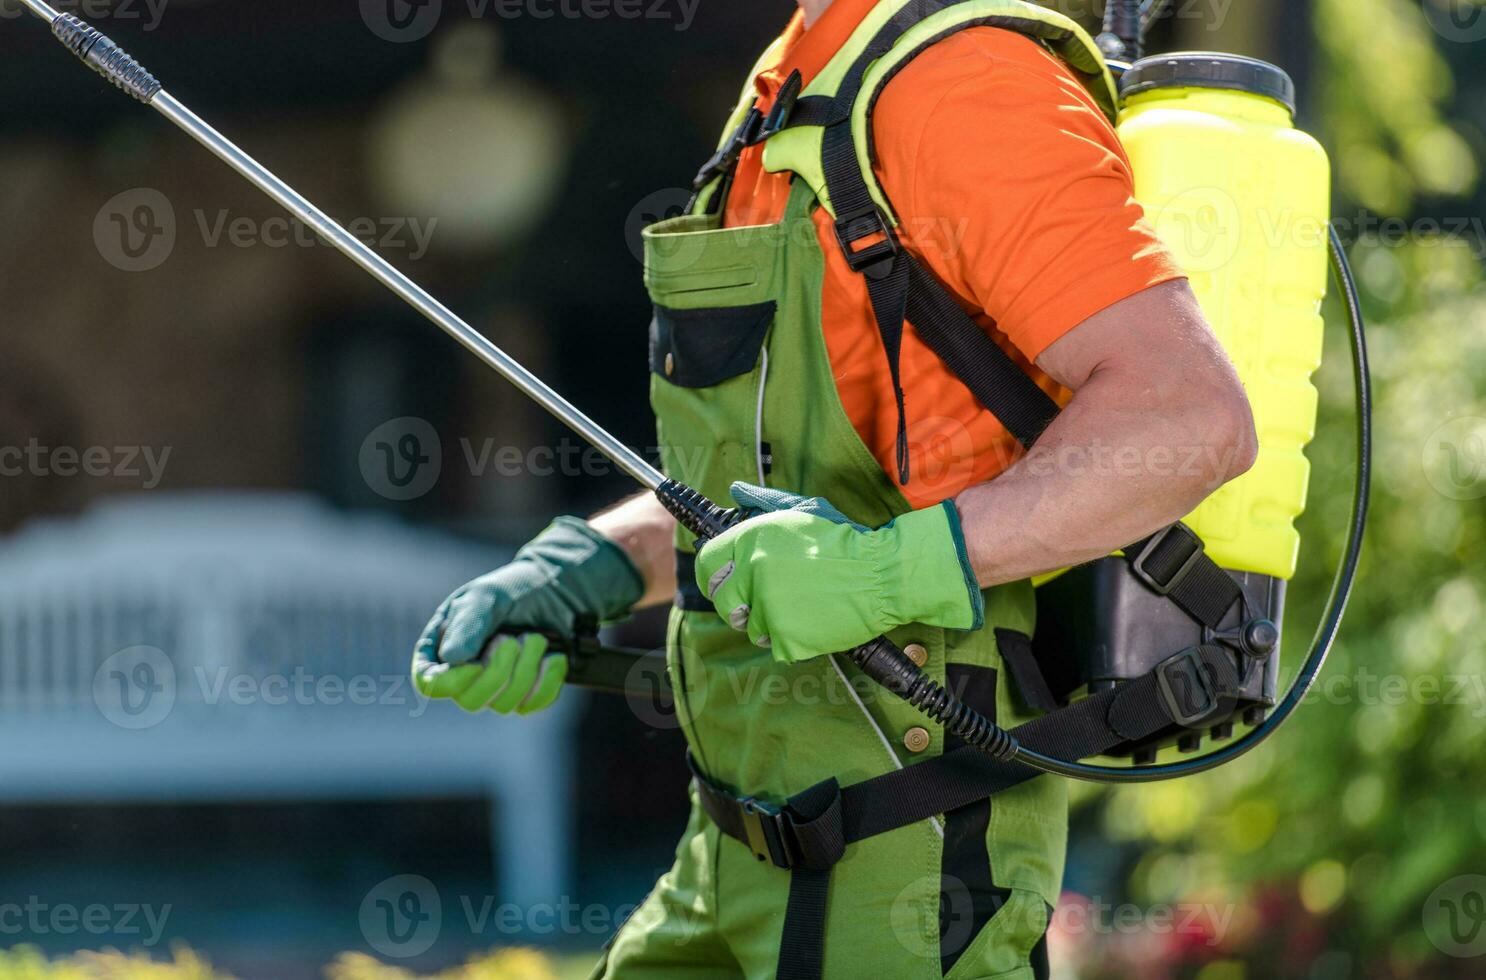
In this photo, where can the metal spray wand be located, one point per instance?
(879, 659)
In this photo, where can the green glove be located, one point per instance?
(804, 580)
(567, 573)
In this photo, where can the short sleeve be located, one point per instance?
(1012, 186)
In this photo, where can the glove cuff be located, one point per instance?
(928, 571)
(597, 575)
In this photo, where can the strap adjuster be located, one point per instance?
(784, 104)
(1140, 564)
(767, 829)
(1186, 689)
(744, 136)
(875, 259)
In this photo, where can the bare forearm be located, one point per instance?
(1097, 481)
(641, 526)
(1143, 442)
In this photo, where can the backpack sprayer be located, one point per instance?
(1182, 97)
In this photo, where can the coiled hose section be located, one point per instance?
(881, 659)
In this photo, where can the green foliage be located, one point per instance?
(29, 963)
(1385, 89)
(1330, 840)
(505, 964)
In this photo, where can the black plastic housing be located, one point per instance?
(1098, 626)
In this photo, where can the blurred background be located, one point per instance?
(236, 476)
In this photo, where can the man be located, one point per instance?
(994, 193)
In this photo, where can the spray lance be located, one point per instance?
(879, 659)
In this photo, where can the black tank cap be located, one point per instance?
(1210, 69)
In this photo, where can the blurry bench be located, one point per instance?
(197, 648)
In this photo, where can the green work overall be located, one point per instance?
(743, 390)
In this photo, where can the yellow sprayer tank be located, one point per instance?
(1242, 198)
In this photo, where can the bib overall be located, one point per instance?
(742, 389)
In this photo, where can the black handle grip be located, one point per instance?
(105, 57)
(695, 512)
(609, 670)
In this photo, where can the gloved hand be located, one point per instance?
(805, 581)
(567, 572)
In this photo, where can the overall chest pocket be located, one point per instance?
(705, 347)
(707, 373)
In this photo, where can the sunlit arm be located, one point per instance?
(1158, 421)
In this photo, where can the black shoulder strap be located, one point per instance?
(1171, 562)
(899, 287)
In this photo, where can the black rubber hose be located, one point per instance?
(1336, 603)
(881, 659)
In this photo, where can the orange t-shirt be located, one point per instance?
(1011, 188)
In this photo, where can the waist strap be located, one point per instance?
(808, 833)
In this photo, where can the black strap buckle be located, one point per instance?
(1186, 689)
(784, 105)
(875, 259)
(744, 136)
(767, 829)
(1158, 542)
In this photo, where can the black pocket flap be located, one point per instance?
(701, 348)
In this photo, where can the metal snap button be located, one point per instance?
(670, 364)
(917, 653)
(916, 739)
